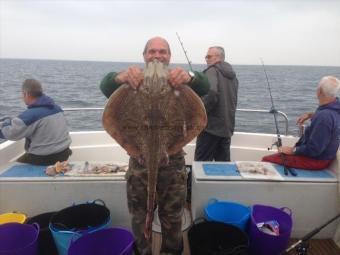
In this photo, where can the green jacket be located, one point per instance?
(199, 84)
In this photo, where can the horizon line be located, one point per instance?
(174, 63)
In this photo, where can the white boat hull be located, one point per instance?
(312, 203)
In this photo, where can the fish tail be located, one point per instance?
(148, 224)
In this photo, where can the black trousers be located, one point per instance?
(45, 160)
(211, 147)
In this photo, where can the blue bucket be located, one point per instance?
(109, 241)
(74, 221)
(228, 212)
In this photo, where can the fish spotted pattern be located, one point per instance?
(152, 123)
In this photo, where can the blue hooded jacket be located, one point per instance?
(321, 138)
(43, 125)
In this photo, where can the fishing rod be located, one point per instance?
(185, 52)
(278, 143)
(300, 245)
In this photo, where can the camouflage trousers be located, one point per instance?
(170, 199)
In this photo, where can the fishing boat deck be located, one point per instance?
(38, 194)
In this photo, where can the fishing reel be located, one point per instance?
(276, 143)
(299, 248)
(302, 248)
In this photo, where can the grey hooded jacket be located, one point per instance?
(43, 125)
(221, 100)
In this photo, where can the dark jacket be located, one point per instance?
(321, 138)
(199, 84)
(220, 102)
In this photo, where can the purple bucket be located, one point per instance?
(109, 241)
(46, 245)
(266, 244)
(19, 239)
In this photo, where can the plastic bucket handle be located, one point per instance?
(247, 215)
(79, 232)
(75, 236)
(99, 200)
(36, 225)
(199, 220)
(60, 226)
(126, 248)
(73, 230)
(286, 210)
(212, 201)
(65, 232)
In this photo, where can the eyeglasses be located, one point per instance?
(210, 56)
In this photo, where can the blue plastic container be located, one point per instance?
(228, 212)
(19, 239)
(110, 241)
(77, 220)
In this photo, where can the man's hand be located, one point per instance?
(5, 121)
(132, 76)
(178, 76)
(286, 150)
(304, 117)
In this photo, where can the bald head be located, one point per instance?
(329, 86)
(156, 39)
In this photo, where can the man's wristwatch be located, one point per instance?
(192, 76)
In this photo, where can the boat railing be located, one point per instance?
(282, 114)
(75, 109)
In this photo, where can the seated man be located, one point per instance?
(318, 146)
(43, 125)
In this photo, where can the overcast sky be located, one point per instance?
(281, 32)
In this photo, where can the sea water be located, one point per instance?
(76, 84)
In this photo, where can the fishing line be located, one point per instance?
(185, 52)
(278, 143)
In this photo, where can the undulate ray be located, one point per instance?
(154, 122)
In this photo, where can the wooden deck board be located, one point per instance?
(319, 247)
(316, 247)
